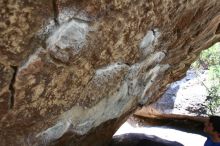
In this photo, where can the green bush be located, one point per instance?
(210, 60)
(213, 99)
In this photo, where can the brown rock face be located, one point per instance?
(73, 70)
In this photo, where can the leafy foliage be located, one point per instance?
(213, 100)
(210, 60)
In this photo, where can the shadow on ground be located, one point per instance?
(137, 139)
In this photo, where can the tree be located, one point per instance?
(210, 60)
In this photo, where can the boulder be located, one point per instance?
(71, 72)
(184, 97)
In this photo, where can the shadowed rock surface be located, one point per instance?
(73, 70)
(137, 139)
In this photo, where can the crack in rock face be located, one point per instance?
(11, 87)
